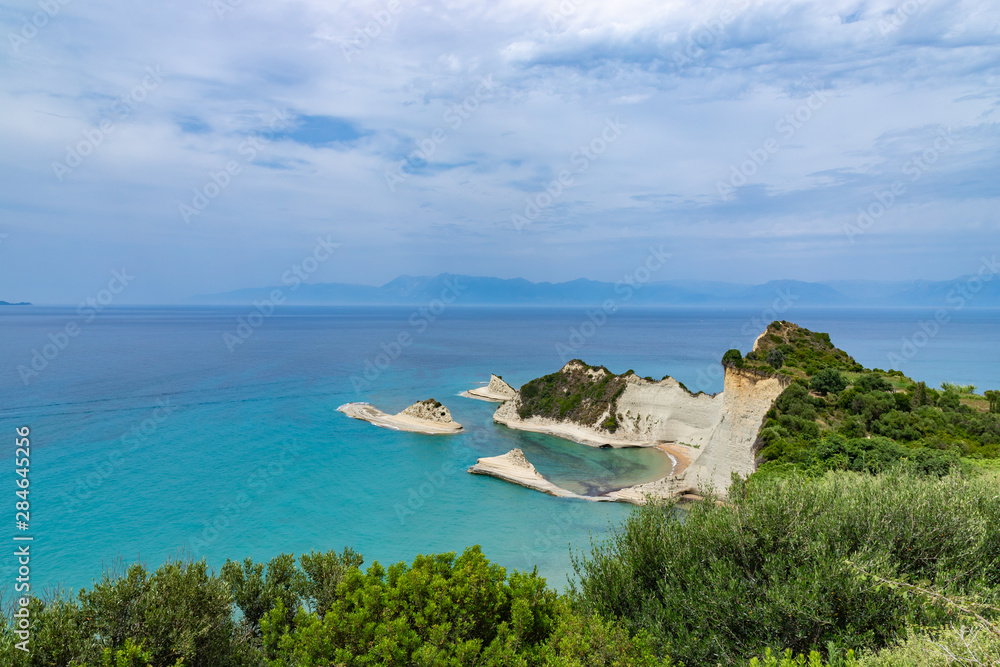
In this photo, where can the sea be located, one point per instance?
(160, 433)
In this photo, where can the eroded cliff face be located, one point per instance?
(666, 412)
(720, 430)
(642, 412)
(746, 398)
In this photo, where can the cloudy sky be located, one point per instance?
(205, 145)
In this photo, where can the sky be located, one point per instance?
(209, 145)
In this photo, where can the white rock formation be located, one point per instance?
(430, 410)
(718, 431)
(496, 391)
(429, 417)
(648, 413)
(513, 467)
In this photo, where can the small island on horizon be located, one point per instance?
(19, 303)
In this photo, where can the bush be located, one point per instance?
(732, 358)
(828, 381)
(721, 583)
(872, 382)
(444, 610)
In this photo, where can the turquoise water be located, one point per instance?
(151, 439)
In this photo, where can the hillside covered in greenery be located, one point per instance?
(836, 414)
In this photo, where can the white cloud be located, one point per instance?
(699, 84)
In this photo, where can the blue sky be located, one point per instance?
(205, 146)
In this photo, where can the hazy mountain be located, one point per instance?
(473, 290)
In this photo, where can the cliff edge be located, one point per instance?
(591, 405)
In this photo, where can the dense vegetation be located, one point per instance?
(788, 349)
(883, 569)
(578, 392)
(838, 415)
(323, 610)
(829, 564)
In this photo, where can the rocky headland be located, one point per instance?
(429, 417)
(513, 467)
(708, 436)
(497, 391)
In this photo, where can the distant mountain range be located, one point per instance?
(8, 303)
(470, 290)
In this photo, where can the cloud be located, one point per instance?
(377, 88)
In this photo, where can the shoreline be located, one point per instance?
(484, 394)
(575, 433)
(512, 467)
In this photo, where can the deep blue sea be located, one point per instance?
(152, 439)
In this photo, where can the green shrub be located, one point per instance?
(959, 388)
(872, 382)
(719, 584)
(828, 381)
(733, 358)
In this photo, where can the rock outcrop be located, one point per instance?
(429, 417)
(633, 413)
(716, 432)
(430, 410)
(496, 391)
(513, 467)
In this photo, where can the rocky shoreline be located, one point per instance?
(514, 468)
(497, 391)
(429, 417)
